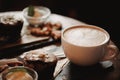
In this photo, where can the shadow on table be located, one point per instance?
(75, 72)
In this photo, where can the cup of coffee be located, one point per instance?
(87, 45)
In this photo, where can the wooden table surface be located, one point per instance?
(65, 70)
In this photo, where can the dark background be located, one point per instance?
(101, 13)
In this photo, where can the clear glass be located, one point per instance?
(32, 20)
(32, 73)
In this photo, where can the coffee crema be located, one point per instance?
(85, 36)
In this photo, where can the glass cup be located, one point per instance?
(41, 15)
(19, 73)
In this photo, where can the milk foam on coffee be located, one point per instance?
(85, 36)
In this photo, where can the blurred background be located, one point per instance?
(101, 13)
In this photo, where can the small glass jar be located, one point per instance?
(19, 73)
(40, 16)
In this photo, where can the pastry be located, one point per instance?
(44, 63)
(47, 29)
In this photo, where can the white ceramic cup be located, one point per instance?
(87, 45)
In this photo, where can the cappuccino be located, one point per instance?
(87, 44)
(86, 36)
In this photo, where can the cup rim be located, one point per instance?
(91, 26)
(44, 16)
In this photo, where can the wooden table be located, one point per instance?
(65, 70)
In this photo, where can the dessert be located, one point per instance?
(19, 73)
(47, 29)
(44, 63)
(40, 60)
(40, 31)
(56, 34)
(34, 12)
(10, 28)
(36, 15)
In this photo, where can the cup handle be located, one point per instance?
(111, 52)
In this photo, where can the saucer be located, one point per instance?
(106, 64)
